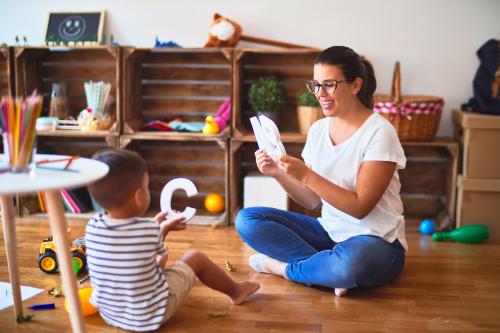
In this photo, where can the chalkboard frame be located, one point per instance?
(97, 38)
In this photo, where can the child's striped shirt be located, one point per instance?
(129, 287)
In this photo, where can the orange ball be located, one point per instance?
(214, 203)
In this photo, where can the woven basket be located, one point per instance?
(416, 118)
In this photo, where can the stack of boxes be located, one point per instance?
(478, 198)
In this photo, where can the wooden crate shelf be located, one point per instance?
(154, 84)
(427, 184)
(65, 145)
(292, 67)
(189, 84)
(6, 72)
(39, 67)
(242, 163)
(203, 162)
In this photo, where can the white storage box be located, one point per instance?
(260, 190)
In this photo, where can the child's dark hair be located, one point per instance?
(352, 66)
(126, 174)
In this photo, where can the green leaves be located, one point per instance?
(267, 95)
(306, 98)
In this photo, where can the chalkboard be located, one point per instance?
(75, 26)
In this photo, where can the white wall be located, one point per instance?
(435, 40)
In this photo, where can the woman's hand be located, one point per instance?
(266, 164)
(293, 167)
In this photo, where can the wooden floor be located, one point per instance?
(444, 287)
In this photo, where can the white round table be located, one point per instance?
(49, 178)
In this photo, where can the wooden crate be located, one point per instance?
(163, 84)
(6, 72)
(67, 145)
(292, 67)
(39, 67)
(203, 162)
(428, 182)
(242, 163)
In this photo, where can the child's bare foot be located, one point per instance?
(243, 290)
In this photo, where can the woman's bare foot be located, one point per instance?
(243, 290)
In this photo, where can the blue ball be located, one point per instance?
(427, 227)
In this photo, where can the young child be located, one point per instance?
(126, 254)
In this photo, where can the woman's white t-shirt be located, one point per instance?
(375, 140)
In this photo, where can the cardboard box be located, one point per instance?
(479, 136)
(478, 202)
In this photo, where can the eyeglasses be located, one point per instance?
(330, 86)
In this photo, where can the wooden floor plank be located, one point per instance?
(444, 287)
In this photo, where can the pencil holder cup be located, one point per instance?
(18, 127)
(18, 160)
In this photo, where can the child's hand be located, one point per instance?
(161, 260)
(160, 217)
(169, 225)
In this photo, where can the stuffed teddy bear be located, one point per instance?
(223, 32)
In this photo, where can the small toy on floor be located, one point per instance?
(84, 296)
(474, 233)
(427, 227)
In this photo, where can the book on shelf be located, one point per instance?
(70, 202)
(41, 201)
(81, 197)
(67, 206)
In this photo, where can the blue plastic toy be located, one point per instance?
(427, 227)
(159, 44)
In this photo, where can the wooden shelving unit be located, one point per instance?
(174, 82)
(6, 71)
(292, 67)
(188, 84)
(428, 183)
(242, 163)
(37, 68)
(191, 83)
(204, 162)
(6, 75)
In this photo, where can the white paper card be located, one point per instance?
(6, 297)
(268, 136)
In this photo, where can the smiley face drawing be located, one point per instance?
(72, 27)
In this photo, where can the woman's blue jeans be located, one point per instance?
(312, 257)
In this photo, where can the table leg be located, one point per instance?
(60, 233)
(9, 235)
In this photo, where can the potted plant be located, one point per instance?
(308, 110)
(267, 96)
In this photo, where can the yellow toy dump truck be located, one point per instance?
(47, 260)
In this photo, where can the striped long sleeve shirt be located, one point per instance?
(129, 288)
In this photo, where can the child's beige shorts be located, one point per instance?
(180, 278)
